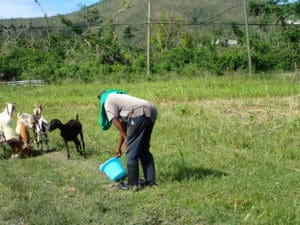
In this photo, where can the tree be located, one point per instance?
(280, 10)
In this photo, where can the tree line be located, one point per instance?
(87, 51)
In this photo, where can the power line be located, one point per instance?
(39, 5)
(47, 22)
(207, 22)
(143, 24)
(223, 12)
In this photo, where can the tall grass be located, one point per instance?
(226, 152)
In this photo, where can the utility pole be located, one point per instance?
(148, 40)
(248, 40)
(47, 23)
(48, 35)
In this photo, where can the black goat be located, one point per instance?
(69, 132)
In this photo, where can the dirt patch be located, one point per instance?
(56, 155)
(81, 162)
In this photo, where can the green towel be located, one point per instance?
(103, 120)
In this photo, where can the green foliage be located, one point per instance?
(175, 59)
(74, 28)
(237, 31)
(84, 49)
(280, 10)
(232, 60)
(278, 51)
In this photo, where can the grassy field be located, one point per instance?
(226, 152)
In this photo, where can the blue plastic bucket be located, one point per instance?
(113, 168)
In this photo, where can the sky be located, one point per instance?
(30, 9)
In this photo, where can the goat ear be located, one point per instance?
(38, 106)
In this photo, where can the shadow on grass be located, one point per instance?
(3, 156)
(186, 173)
(36, 152)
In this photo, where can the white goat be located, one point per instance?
(41, 129)
(10, 137)
(32, 119)
(6, 115)
(5, 121)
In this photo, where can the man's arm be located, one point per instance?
(123, 137)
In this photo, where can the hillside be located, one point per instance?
(200, 14)
(135, 12)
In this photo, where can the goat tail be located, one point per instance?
(77, 117)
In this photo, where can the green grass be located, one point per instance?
(226, 152)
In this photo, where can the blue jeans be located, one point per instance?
(139, 132)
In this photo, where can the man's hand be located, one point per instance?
(123, 138)
(118, 152)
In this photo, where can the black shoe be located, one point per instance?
(124, 186)
(141, 182)
(151, 184)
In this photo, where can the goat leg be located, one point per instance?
(35, 136)
(78, 146)
(3, 146)
(67, 149)
(46, 142)
(39, 142)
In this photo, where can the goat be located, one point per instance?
(32, 120)
(6, 115)
(69, 132)
(2, 140)
(9, 136)
(28, 119)
(22, 129)
(5, 121)
(37, 111)
(41, 129)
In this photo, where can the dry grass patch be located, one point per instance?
(260, 108)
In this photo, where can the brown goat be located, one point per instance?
(22, 130)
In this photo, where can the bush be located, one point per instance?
(174, 59)
(232, 60)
